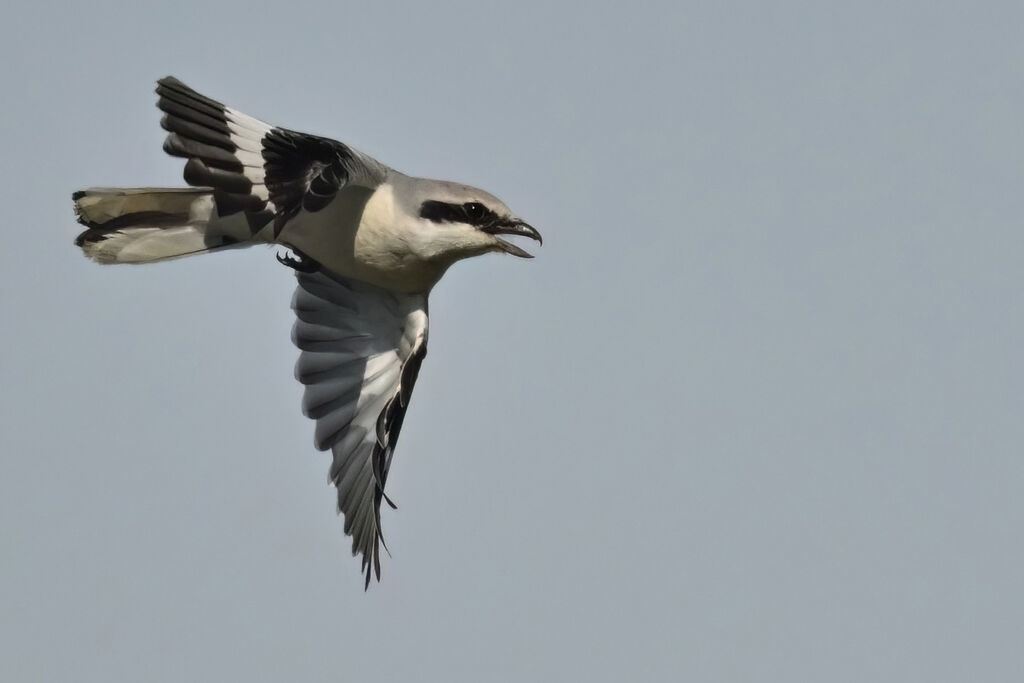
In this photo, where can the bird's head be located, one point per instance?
(458, 221)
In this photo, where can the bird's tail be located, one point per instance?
(141, 225)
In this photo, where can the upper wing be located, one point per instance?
(361, 349)
(269, 173)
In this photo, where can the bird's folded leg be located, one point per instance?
(299, 261)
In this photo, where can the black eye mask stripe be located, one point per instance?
(472, 213)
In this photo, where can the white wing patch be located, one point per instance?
(247, 135)
(267, 173)
(360, 349)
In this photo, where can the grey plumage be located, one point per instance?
(355, 341)
(370, 243)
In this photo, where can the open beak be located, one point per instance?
(514, 227)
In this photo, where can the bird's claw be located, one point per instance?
(299, 261)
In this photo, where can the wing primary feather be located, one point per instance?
(360, 352)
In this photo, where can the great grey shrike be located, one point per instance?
(367, 245)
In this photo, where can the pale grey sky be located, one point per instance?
(754, 412)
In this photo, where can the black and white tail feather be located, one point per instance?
(361, 346)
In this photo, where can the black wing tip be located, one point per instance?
(173, 83)
(369, 553)
(170, 83)
(370, 566)
(168, 86)
(199, 174)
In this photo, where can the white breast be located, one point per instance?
(364, 235)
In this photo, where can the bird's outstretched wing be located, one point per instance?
(361, 349)
(270, 173)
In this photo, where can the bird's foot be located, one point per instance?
(299, 261)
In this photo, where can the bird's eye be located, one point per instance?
(475, 211)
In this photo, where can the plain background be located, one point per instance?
(754, 412)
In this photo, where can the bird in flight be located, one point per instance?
(366, 242)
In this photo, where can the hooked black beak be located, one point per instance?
(514, 227)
